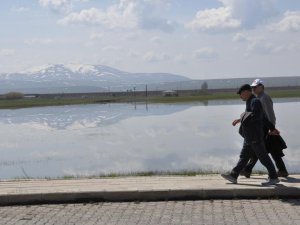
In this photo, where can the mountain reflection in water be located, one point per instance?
(111, 138)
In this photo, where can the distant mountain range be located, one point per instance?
(78, 78)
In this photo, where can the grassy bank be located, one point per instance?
(187, 173)
(26, 103)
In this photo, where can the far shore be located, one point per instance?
(139, 98)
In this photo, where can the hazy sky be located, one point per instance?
(196, 38)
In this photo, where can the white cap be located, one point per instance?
(257, 82)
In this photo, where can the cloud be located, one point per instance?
(251, 13)
(233, 15)
(111, 48)
(205, 53)
(155, 57)
(156, 40)
(126, 14)
(39, 41)
(96, 36)
(257, 45)
(20, 9)
(181, 59)
(7, 52)
(59, 5)
(214, 19)
(240, 37)
(134, 54)
(264, 48)
(289, 23)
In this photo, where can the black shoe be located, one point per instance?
(271, 182)
(229, 178)
(245, 173)
(282, 174)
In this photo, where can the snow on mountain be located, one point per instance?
(80, 76)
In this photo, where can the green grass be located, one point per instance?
(26, 103)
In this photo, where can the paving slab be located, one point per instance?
(154, 188)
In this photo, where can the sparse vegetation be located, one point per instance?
(141, 174)
(13, 95)
(201, 97)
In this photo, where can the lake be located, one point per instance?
(87, 140)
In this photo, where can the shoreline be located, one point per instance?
(204, 97)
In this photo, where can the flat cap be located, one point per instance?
(244, 87)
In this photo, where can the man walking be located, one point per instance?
(267, 104)
(252, 125)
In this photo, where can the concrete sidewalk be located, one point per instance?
(154, 188)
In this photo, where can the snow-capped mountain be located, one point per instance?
(79, 78)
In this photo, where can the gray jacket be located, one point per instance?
(267, 105)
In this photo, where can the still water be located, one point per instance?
(111, 138)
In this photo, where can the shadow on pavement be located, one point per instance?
(252, 185)
(293, 202)
(290, 180)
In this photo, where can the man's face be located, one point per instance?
(245, 95)
(258, 89)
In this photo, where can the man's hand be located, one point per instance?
(235, 122)
(275, 132)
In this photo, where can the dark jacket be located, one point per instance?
(275, 144)
(253, 122)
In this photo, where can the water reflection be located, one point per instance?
(95, 139)
(82, 116)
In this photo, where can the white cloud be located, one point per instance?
(214, 19)
(134, 54)
(240, 37)
(59, 5)
(264, 48)
(205, 53)
(156, 40)
(257, 45)
(290, 22)
(7, 52)
(127, 14)
(20, 9)
(156, 57)
(96, 36)
(110, 19)
(234, 14)
(111, 48)
(40, 41)
(251, 12)
(181, 59)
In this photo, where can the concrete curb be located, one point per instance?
(162, 195)
(142, 189)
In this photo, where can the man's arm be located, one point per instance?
(268, 108)
(258, 115)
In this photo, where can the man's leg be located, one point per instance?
(244, 158)
(245, 155)
(250, 165)
(282, 171)
(262, 154)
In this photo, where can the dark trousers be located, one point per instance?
(260, 151)
(276, 157)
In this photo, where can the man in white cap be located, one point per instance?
(267, 104)
(253, 121)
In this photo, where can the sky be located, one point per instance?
(200, 39)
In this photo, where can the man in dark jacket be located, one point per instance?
(252, 130)
(271, 140)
